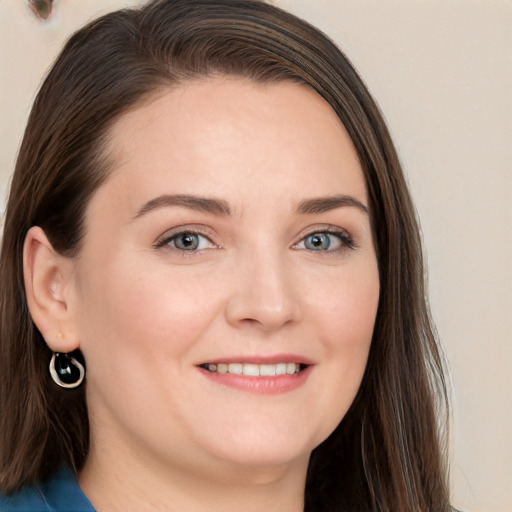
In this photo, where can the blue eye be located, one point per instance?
(324, 241)
(186, 241)
(318, 242)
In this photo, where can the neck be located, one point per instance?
(118, 481)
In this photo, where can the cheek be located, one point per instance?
(137, 319)
(345, 316)
(140, 334)
(348, 307)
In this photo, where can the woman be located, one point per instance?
(212, 287)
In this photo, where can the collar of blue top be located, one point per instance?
(60, 493)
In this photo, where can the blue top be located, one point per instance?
(60, 493)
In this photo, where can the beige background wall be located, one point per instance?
(442, 73)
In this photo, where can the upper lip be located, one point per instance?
(262, 359)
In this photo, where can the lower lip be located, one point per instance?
(271, 385)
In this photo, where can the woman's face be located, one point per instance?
(232, 236)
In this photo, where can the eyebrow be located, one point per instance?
(325, 204)
(197, 203)
(221, 207)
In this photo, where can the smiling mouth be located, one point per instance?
(255, 370)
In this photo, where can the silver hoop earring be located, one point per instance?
(66, 371)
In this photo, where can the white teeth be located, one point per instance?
(255, 370)
(280, 369)
(268, 369)
(251, 369)
(291, 368)
(235, 368)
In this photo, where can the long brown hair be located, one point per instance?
(388, 452)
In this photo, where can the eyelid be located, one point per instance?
(347, 240)
(164, 239)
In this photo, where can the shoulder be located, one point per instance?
(58, 494)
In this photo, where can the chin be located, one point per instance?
(265, 452)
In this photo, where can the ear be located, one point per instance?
(48, 280)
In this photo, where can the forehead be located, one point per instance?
(229, 136)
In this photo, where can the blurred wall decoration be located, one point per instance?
(41, 8)
(442, 73)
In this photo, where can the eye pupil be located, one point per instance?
(187, 242)
(318, 242)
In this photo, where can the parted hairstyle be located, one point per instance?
(388, 453)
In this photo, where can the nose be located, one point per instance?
(265, 295)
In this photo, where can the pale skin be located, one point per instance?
(278, 264)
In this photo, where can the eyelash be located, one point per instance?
(167, 239)
(346, 241)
